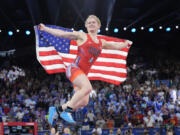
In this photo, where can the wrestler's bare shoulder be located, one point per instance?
(83, 38)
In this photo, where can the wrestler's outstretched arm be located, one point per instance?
(59, 33)
(116, 45)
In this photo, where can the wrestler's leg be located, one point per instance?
(83, 102)
(81, 96)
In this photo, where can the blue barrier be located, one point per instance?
(136, 131)
(43, 132)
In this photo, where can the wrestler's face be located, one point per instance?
(92, 25)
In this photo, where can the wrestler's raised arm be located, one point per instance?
(59, 33)
(115, 45)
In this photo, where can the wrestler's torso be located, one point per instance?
(87, 54)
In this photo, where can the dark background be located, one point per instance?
(24, 14)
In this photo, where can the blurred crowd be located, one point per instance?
(150, 97)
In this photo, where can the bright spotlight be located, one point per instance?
(124, 28)
(160, 27)
(107, 29)
(177, 27)
(72, 29)
(80, 30)
(133, 30)
(0, 31)
(28, 32)
(142, 28)
(151, 29)
(10, 33)
(168, 29)
(17, 30)
(116, 30)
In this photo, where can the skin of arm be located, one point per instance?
(81, 37)
(59, 33)
(115, 45)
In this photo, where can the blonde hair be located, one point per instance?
(95, 17)
(66, 130)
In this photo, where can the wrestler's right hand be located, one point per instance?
(41, 27)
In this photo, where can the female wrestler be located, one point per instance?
(89, 48)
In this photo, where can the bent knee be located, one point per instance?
(87, 89)
(85, 102)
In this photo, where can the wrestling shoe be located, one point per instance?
(66, 114)
(67, 117)
(52, 111)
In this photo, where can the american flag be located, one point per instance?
(55, 54)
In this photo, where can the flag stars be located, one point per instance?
(60, 44)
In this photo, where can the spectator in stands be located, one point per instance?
(118, 119)
(39, 124)
(13, 95)
(91, 118)
(26, 118)
(100, 121)
(173, 118)
(59, 126)
(66, 131)
(111, 132)
(173, 93)
(170, 132)
(19, 115)
(0, 116)
(97, 108)
(110, 123)
(146, 132)
(165, 112)
(94, 133)
(85, 123)
(158, 119)
(157, 133)
(171, 104)
(149, 121)
(128, 132)
(119, 131)
(53, 131)
(97, 129)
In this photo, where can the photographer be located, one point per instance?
(129, 132)
(170, 132)
(146, 132)
(118, 132)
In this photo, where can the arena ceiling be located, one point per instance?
(24, 14)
